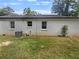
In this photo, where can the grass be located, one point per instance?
(40, 48)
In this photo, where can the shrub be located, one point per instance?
(64, 30)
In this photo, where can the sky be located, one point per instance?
(41, 6)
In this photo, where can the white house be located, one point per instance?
(38, 25)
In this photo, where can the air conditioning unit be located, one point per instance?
(18, 33)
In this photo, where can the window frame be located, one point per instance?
(12, 24)
(44, 25)
(29, 23)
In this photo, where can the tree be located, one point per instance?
(62, 7)
(58, 6)
(28, 11)
(6, 11)
(75, 11)
(3, 12)
(9, 9)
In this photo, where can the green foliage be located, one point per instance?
(3, 12)
(28, 11)
(64, 30)
(6, 11)
(62, 7)
(77, 8)
(73, 13)
(9, 9)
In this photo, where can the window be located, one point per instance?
(29, 23)
(12, 23)
(44, 25)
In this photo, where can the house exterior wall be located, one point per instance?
(4, 27)
(53, 27)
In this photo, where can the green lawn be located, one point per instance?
(40, 48)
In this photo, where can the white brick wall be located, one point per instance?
(53, 27)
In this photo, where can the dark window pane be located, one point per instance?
(29, 23)
(12, 23)
(44, 25)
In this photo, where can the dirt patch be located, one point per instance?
(7, 43)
